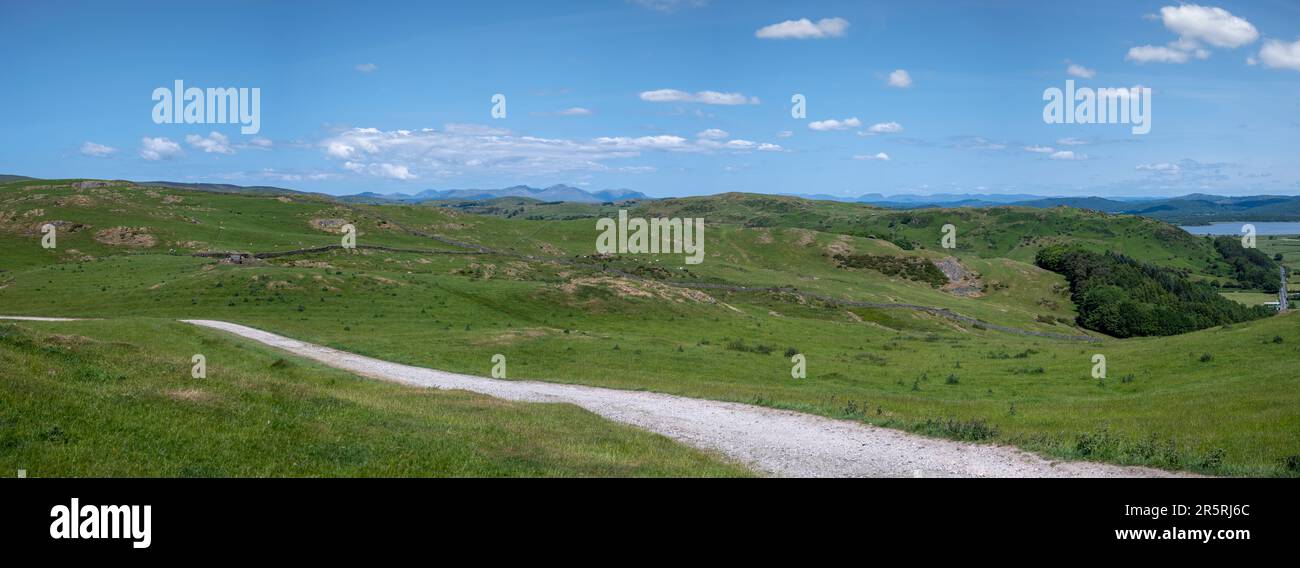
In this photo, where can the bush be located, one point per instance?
(909, 267)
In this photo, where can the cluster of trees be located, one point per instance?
(1250, 267)
(1122, 297)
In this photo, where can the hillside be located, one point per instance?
(993, 355)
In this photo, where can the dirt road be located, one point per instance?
(777, 442)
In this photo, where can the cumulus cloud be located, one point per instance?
(832, 124)
(1280, 55)
(1040, 149)
(460, 148)
(804, 28)
(1067, 155)
(1212, 25)
(703, 97)
(95, 150)
(154, 149)
(366, 67)
(883, 128)
(660, 142)
(751, 145)
(214, 143)
(1156, 54)
(1071, 141)
(713, 134)
(1076, 70)
(785, 134)
(1196, 27)
(879, 157)
(900, 79)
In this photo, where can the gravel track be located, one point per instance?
(776, 442)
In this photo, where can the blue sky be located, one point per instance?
(667, 97)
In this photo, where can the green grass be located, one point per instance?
(115, 398)
(1248, 298)
(1237, 413)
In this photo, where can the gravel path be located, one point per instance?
(776, 442)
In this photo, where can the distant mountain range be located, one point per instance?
(1188, 209)
(1191, 209)
(559, 192)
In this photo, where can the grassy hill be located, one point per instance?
(115, 398)
(461, 287)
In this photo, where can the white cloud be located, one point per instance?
(571, 111)
(259, 142)
(1195, 25)
(391, 171)
(271, 173)
(1040, 149)
(1162, 167)
(883, 128)
(366, 67)
(1212, 25)
(746, 145)
(900, 78)
(1280, 55)
(880, 157)
(1068, 155)
(804, 29)
(1071, 141)
(832, 124)
(154, 149)
(459, 148)
(1156, 54)
(703, 97)
(1076, 70)
(713, 134)
(785, 134)
(96, 150)
(660, 142)
(214, 143)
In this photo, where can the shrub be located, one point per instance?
(909, 267)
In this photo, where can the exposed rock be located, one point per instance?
(961, 281)
(126, 237)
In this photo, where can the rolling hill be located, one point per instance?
(994, 355)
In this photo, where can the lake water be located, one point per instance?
(1234, 228)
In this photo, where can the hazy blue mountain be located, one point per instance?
(558, 192)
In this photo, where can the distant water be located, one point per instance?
(1234, 228)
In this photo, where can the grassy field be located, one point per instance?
(1221, 401)
(115, 398)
